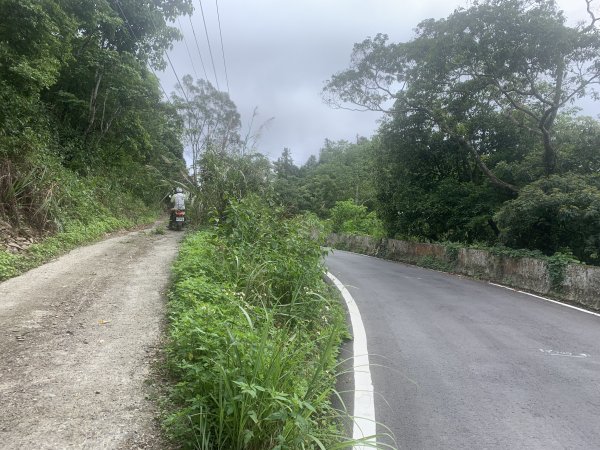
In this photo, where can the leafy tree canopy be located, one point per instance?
(560, 213)
(517, 58)
(75, 88)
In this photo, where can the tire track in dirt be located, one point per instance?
(77, 337)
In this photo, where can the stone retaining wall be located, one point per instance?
(581, 283)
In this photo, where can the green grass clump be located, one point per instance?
(254, 336)
(8, 263)
(74, 234)
(40, 196)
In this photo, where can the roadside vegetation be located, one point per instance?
(480, 142)
(85, 138)
(254, 331)
(254, 335)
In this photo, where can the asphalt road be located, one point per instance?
(461, 364)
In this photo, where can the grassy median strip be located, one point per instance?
(254, 336)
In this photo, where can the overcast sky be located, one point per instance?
(279, 53)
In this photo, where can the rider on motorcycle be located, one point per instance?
(177, 203)
(178, 199)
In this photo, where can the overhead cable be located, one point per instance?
(222, 48)
(198, 47)
(187, 49)
(177, 77)
(172, 67)
(209, 47)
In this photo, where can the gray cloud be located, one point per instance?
(279, 54)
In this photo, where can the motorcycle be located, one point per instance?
(177, 219)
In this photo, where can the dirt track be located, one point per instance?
(77, 337)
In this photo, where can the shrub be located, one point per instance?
(348, 217)
(254, 335)
(560, 213)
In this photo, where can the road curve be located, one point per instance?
(461, 364)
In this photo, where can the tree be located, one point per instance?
(225, 177)
(210, 118)
(286, 184)
(76, 94)
(343, 171)
(284, 166)
(348, 217)
(35, 44)
(560, 213)
(513, 57)
(578, 140)
(105, 87)
(429, 188)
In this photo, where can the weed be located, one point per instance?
(431, 262)
(8, 264)
(254, 333)
(557, 265)
(452, 250)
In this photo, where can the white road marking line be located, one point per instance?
(489, 282)
(568, 354)
(364, 402)
(547, 299)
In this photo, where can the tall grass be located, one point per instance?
(38, 196)
(254, 337)
(27, 194)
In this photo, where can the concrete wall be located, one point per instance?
(581, 284)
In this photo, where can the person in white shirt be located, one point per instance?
(178, 204)
(178, 199)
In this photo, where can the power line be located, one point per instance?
(187, 48)
(209, 47)
(198, 47)
(177, 77)
(222, 48)
(172, 66)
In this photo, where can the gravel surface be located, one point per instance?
(77, 339)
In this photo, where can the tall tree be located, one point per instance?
(35, 45)
(211, 120)
(343, 171)
(76, 91)
(516, 57)
(286, 184)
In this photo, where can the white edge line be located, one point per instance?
(547, 299)
(489, 282)
(364, 402)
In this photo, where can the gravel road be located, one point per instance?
(77, 339)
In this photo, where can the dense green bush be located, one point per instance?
(560, 213)
(348, 217)
(40, 197)
(254, 336)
